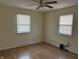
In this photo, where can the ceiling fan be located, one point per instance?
(41, 3)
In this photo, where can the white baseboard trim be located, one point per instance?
(9, 47)
(73, 51)
(15, 46)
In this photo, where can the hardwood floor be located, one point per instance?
(37, 51)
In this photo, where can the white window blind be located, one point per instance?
(23, 23)
(65, 24)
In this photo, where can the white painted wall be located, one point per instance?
(52, 35)
(8, 36)
(44, 27)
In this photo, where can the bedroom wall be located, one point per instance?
(52, 24)
(8, 36)
(44, 27)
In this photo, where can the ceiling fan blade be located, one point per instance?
(38, 7)
(31, 4)
(53, 2)
(48, 6)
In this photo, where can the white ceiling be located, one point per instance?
(23, 3)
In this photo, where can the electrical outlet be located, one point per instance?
(68, 45)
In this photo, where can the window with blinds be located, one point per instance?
(65, 24)
(23, 23)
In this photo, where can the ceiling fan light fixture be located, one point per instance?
(42, 4)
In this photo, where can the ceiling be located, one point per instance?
(23, 3)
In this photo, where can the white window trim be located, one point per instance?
(66, 25)
(26, 24)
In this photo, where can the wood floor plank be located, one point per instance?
(37, 51)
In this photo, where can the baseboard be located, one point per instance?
(9, 47)
(26, 44)
(71, 51)
(15, 46)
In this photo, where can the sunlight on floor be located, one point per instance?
(2, 57)
(25, 57)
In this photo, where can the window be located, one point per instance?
(23, 23)
(65, 24)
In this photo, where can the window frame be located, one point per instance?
(16, 24)
(66, 25)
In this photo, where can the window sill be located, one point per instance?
(22, 33)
